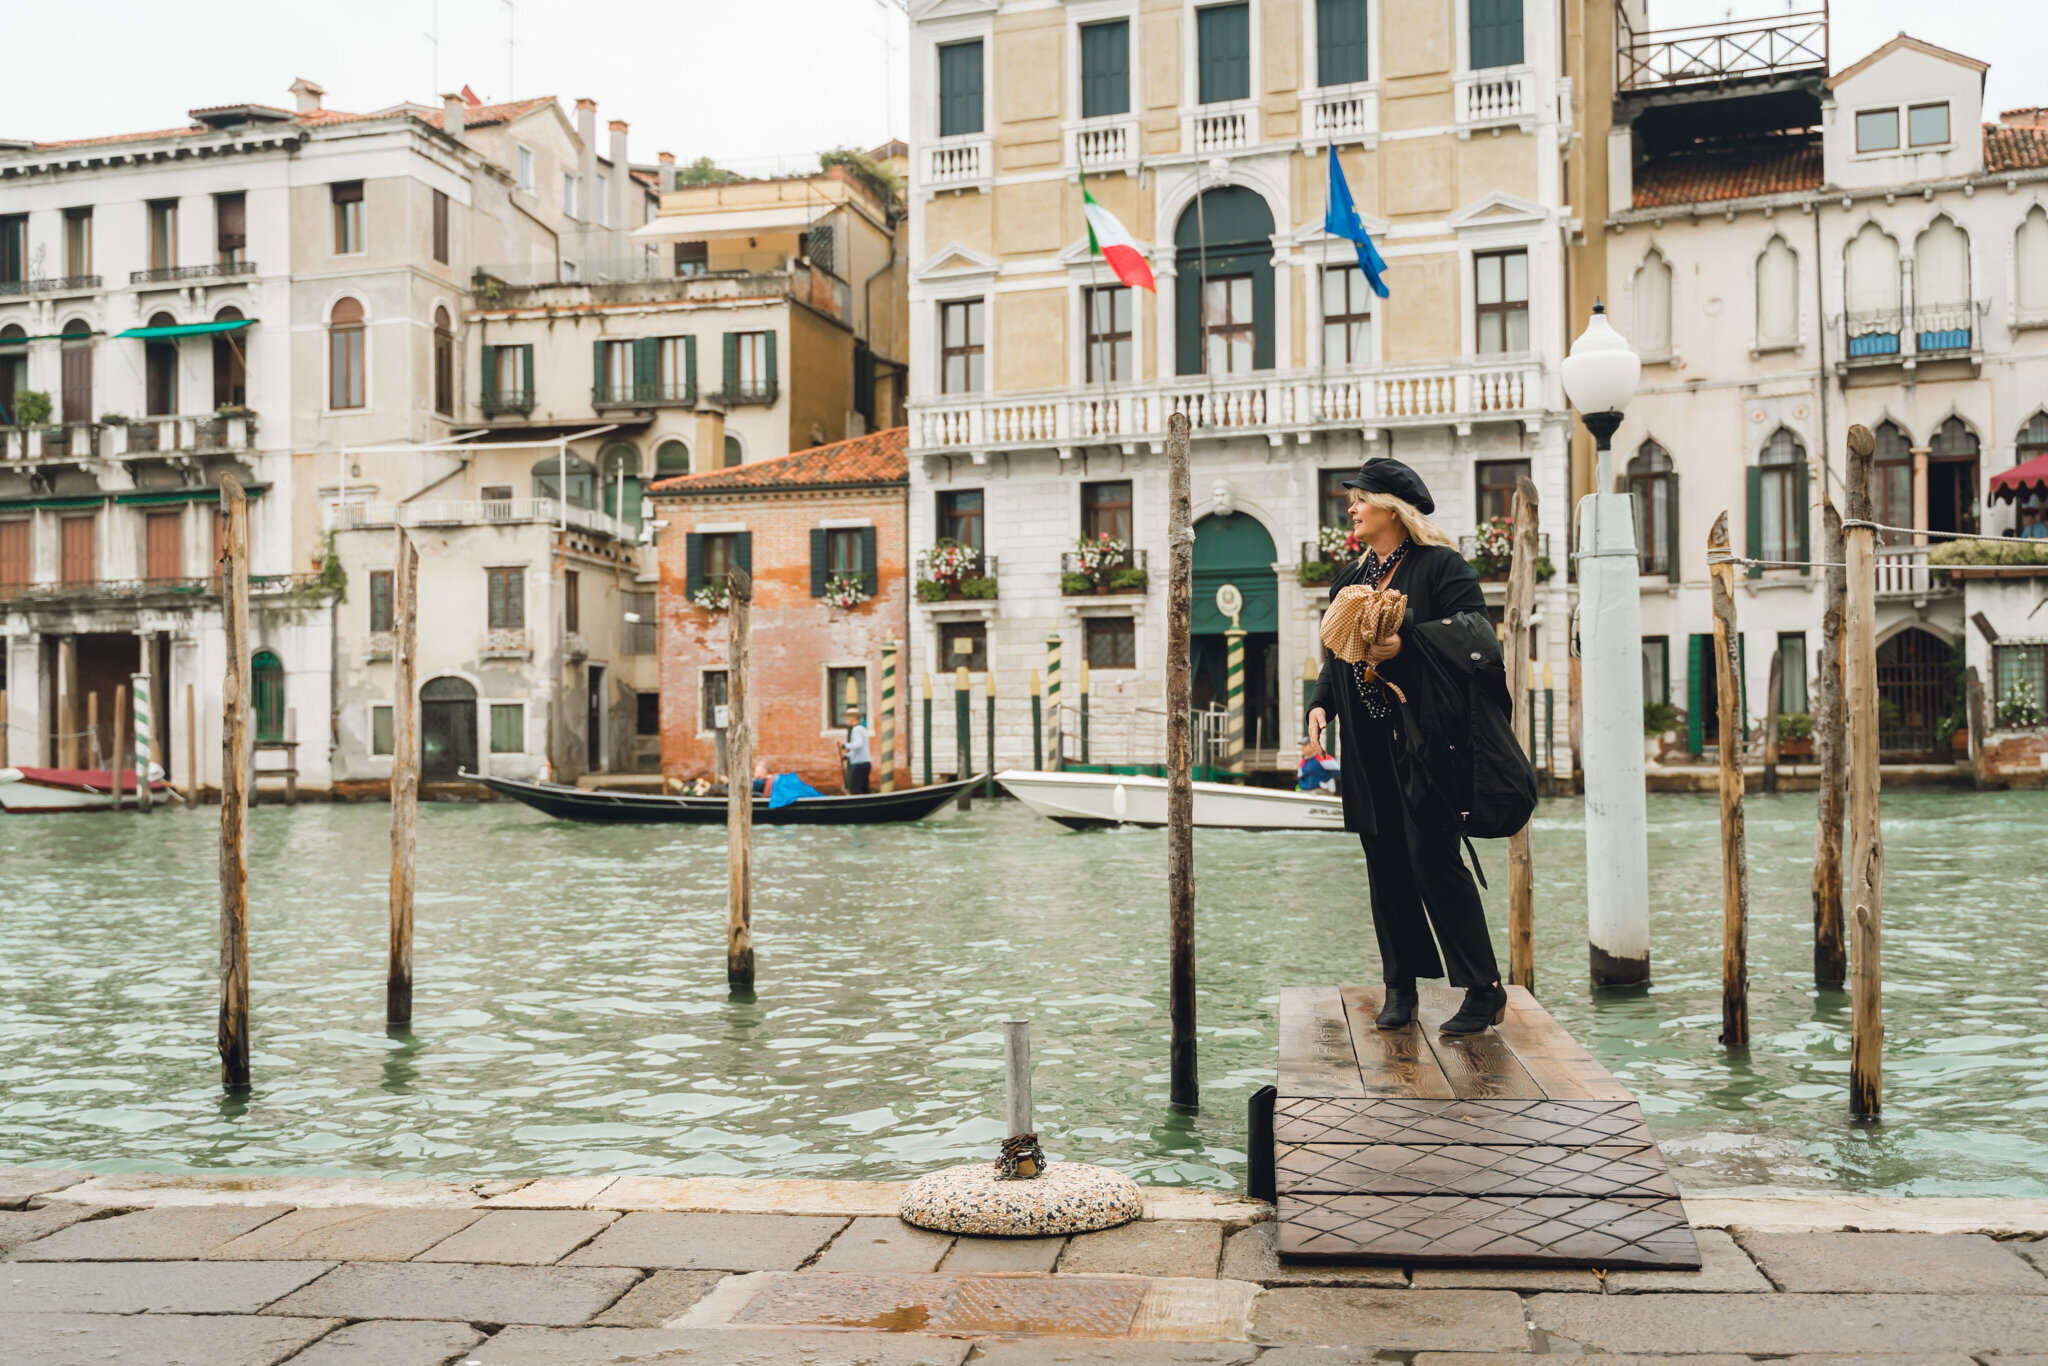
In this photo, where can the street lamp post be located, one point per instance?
(1600, 377)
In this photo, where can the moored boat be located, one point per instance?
(33, 791)
(1084, 801)
(655, 808)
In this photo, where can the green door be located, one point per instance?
(266, 687)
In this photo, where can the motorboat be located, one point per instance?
(1083, 801)
(656, 808)
(33, 791)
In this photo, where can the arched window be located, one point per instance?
(2030, 266)
(1653, 306)
(230, 365)
(671, 458)
(345, 355)
(733, 455)
(548, 477)
(1777, 296)
(266, 694)
(1952, 458)
(1941, 288)
(1777, 502)
(75, 355)
(160, 370)
(1871, 263)
(1891, 483)
(1223, 292)
(619, 476)
(1653, 483)
(13, 369)
(444, 364)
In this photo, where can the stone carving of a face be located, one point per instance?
(1223, 498)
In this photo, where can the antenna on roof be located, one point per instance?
(511, 14)
(433, 37)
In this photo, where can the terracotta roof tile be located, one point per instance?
(2014, 148)
(1704, 178)
(319, 118)
(877, 458)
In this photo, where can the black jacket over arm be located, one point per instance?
(1438, 583)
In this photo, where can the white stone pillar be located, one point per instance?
(1617, 816)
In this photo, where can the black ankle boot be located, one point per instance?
(1399, 1011)
(1484, 1007)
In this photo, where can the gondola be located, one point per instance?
(649, 808)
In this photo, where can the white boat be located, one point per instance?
(1083, 801)
(32, 791)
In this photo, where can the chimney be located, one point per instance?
(453, 111)
(619, 188)
(710, 452)
(2025, 118)
(586, 159)
(667, 180)
(308, 93)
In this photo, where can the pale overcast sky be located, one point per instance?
(760, 85)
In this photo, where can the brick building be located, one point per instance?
(803, 525)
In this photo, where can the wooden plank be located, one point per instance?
(1482, 1123)
(1557, 1061)
(1390, 1061)
(1478, 1066)
(1430, 1230)
(1607, 1169)
(1316, 1056)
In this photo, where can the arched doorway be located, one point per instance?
(1223, 284)
(1237, 550)
(266, 695)
(1916, 687)
(447, 729)
(160, 370)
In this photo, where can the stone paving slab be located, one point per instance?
(1785, 1324)
(1523, 1280)
(735, 1195)
(1724, 1269)
(386, 1343)
(554, 1192)
(1532, 1359)
(723, 1242)
(1399, 1320)
(873, 1243)
(662, 1297)
(156, 1339)
(1192, 1203)
(1870, 1214)
(605, 1346)
(470, 1294)
(1003, 1254)
(19, 1184)
(1893, 1263)
(170, 1235)
(530, 1237)
(1358, 1356)
(1057, 1352)
(19, 1227)
(150, 1287)
(137, 1189)
(1249, 1255)
(2035, 1252)
(1147, 1248)
(349, 1233)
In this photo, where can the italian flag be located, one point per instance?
(1110, 240)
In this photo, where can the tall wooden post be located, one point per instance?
(1082, 694)
(191, 745)
(1037, 725)
(1521, 602)
(1866, 839)
(1980, 762)
(1183, 1086)
(1831, 752)
(988, 689)
(145, 734)
(117, 758)
(1773, 690)
(67, 702)
(96, 753)
(963, 732)
(739, 787)
(1734, 856)
(234, 796)
(888, 715)
(405, 776)
(1055, 740)
(3, 728)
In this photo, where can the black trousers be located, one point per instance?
(1420, 883)
(857, 780)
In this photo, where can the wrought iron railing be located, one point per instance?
(260, 586)
(625, 395)
(497, 401)
(984, 567)
(761, 391)
(213, 270)
(1134, 558)
(50, 284)
(1734, 49)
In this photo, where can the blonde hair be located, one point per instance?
(1420, 529)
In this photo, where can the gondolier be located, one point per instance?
(1381, 693)
(855, 750)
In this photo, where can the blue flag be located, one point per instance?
(1340, 219)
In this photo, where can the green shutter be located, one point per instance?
(690, 369)
(960, 102)
(1496, 33)
(773, 376)
(732, 366)
(599, 381)
(1223, 35)
(1106, 69)
(1340, 42)
(1742, 682)
(1805, 517)
(1756, 519)
(868, 567)
(1262, 315)
(820, 561)
(1696, 653)
(489, 391)
(693, 563)
(646, 367)
(743, 550)
(1671, 529)
(526, 375)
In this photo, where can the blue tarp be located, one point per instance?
(789, 788)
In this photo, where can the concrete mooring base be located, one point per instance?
(1072, 1197)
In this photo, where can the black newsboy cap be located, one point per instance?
(1388, 475)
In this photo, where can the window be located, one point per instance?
(496, 494)
(506, 597)
(508, 727)
(1877, 130)
(1347, 309)
(526, 169)
(1926, 125)
(77, 542)
(734, 455)
(231, 228)
(13, 247)
(2030, 265)
(507, 379)
(1871, 267)
(960, 517)
(1336, 499)
(568, 197)
(380, 730)
(444, 363)
(345, 355)
(1501, 301)
(614, 371)
(971, 634)
(1943, 316)
(960, 347)
(381, 615)
(1496, 27)
(1229, 324)
(77, 242)
(604, 200)
(1891, 482)
(1657, 669)
(14, 552)
(160, 371)
(717, 550)
(960, 88)
(1497, 480)
(1777, 501)
(693, 258)
(74, 356)
(1777, 296)
(619, 483)
(640, 631)
(163, 541)
(13, 368)
(1340, 42)
(1109, 334)
(163, 234)
(1791, 673)
(441, 227)
(647, 713)
(347, 196)
(2019, 683)
(1652, 486)
(1223, 38)
(675, 368)
(573, 480)
(1106, 510)
(1111, 643)
(750, 366)
(1653, 306)
(714, 695)
(1952, 478)
(845, 688)
(671, 457)
(1226, 235)
(843, 551)
(1105, 69)
(572, 601)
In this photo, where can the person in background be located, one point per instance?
(763, 779)
(854, 749)
(1317, 771)
(2034, 522)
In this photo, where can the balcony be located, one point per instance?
(1496, 98)
(1070, 564)
(760, 391)
(1219, 129)
(650, 395)
(1893, 337)
(1903, 572)
(964, 161)
(497, 403)
(932, 592)
(1717, 54)
(1107, 143)
(1345, 114)
(181, 435)
(179, 275)
(161, 591)
(506, 644)
(65, 441)
(475, 512)
(51, 284)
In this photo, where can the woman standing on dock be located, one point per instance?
(1407, 826)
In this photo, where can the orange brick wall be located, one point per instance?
(796, 637)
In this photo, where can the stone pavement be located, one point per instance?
(257, 1271)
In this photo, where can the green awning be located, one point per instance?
(207, 493)
(186, 329)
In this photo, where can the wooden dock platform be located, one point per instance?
(1510, 1147)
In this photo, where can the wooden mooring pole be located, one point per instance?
(1180, 789)
(117, 761)
(926, 688)
(191, 745)
(988, 688)
(95, 754)
(1973, 685)
(1831, 752)
(1734, 857)
(1521, 602)
(234, 797)
(963, 730)
(1866, 839)
(1773, 690)
(739, 787)
(405, 776)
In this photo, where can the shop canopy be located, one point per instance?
(186, 329)
(766, 221)
(2031, 477)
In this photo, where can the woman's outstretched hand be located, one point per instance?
(1316, 722)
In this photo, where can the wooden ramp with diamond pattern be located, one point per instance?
(1513, 1146)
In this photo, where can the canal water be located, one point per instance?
(572, 1013)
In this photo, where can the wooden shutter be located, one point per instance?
(646, 367)
(76, 361)
(690, 369)
(1496, 33)
(1805, 518)
(494, 607)
(600, 382)
(732, 366)
(1106, 69)
(743, 551)
(1756, 518)
(868, 567)
(441, 226)
(693, 563)
(78, 545)
(231, 221)
(1695, 716)
(489, 392)
(1340, 42)
(1671, 519)
(821, 561)
(525, 393)
(14, 552)
(164, 545)
(960, 88)
(768, 374)
(1224, 36)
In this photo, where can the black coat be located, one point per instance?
(1439, 584)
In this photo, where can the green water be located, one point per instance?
(572, 1013)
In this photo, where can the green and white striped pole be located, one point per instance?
(927, 686)
(1037, 725)
(888, 718)
(139, 690)
(1055, 745)
(1233, 747)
